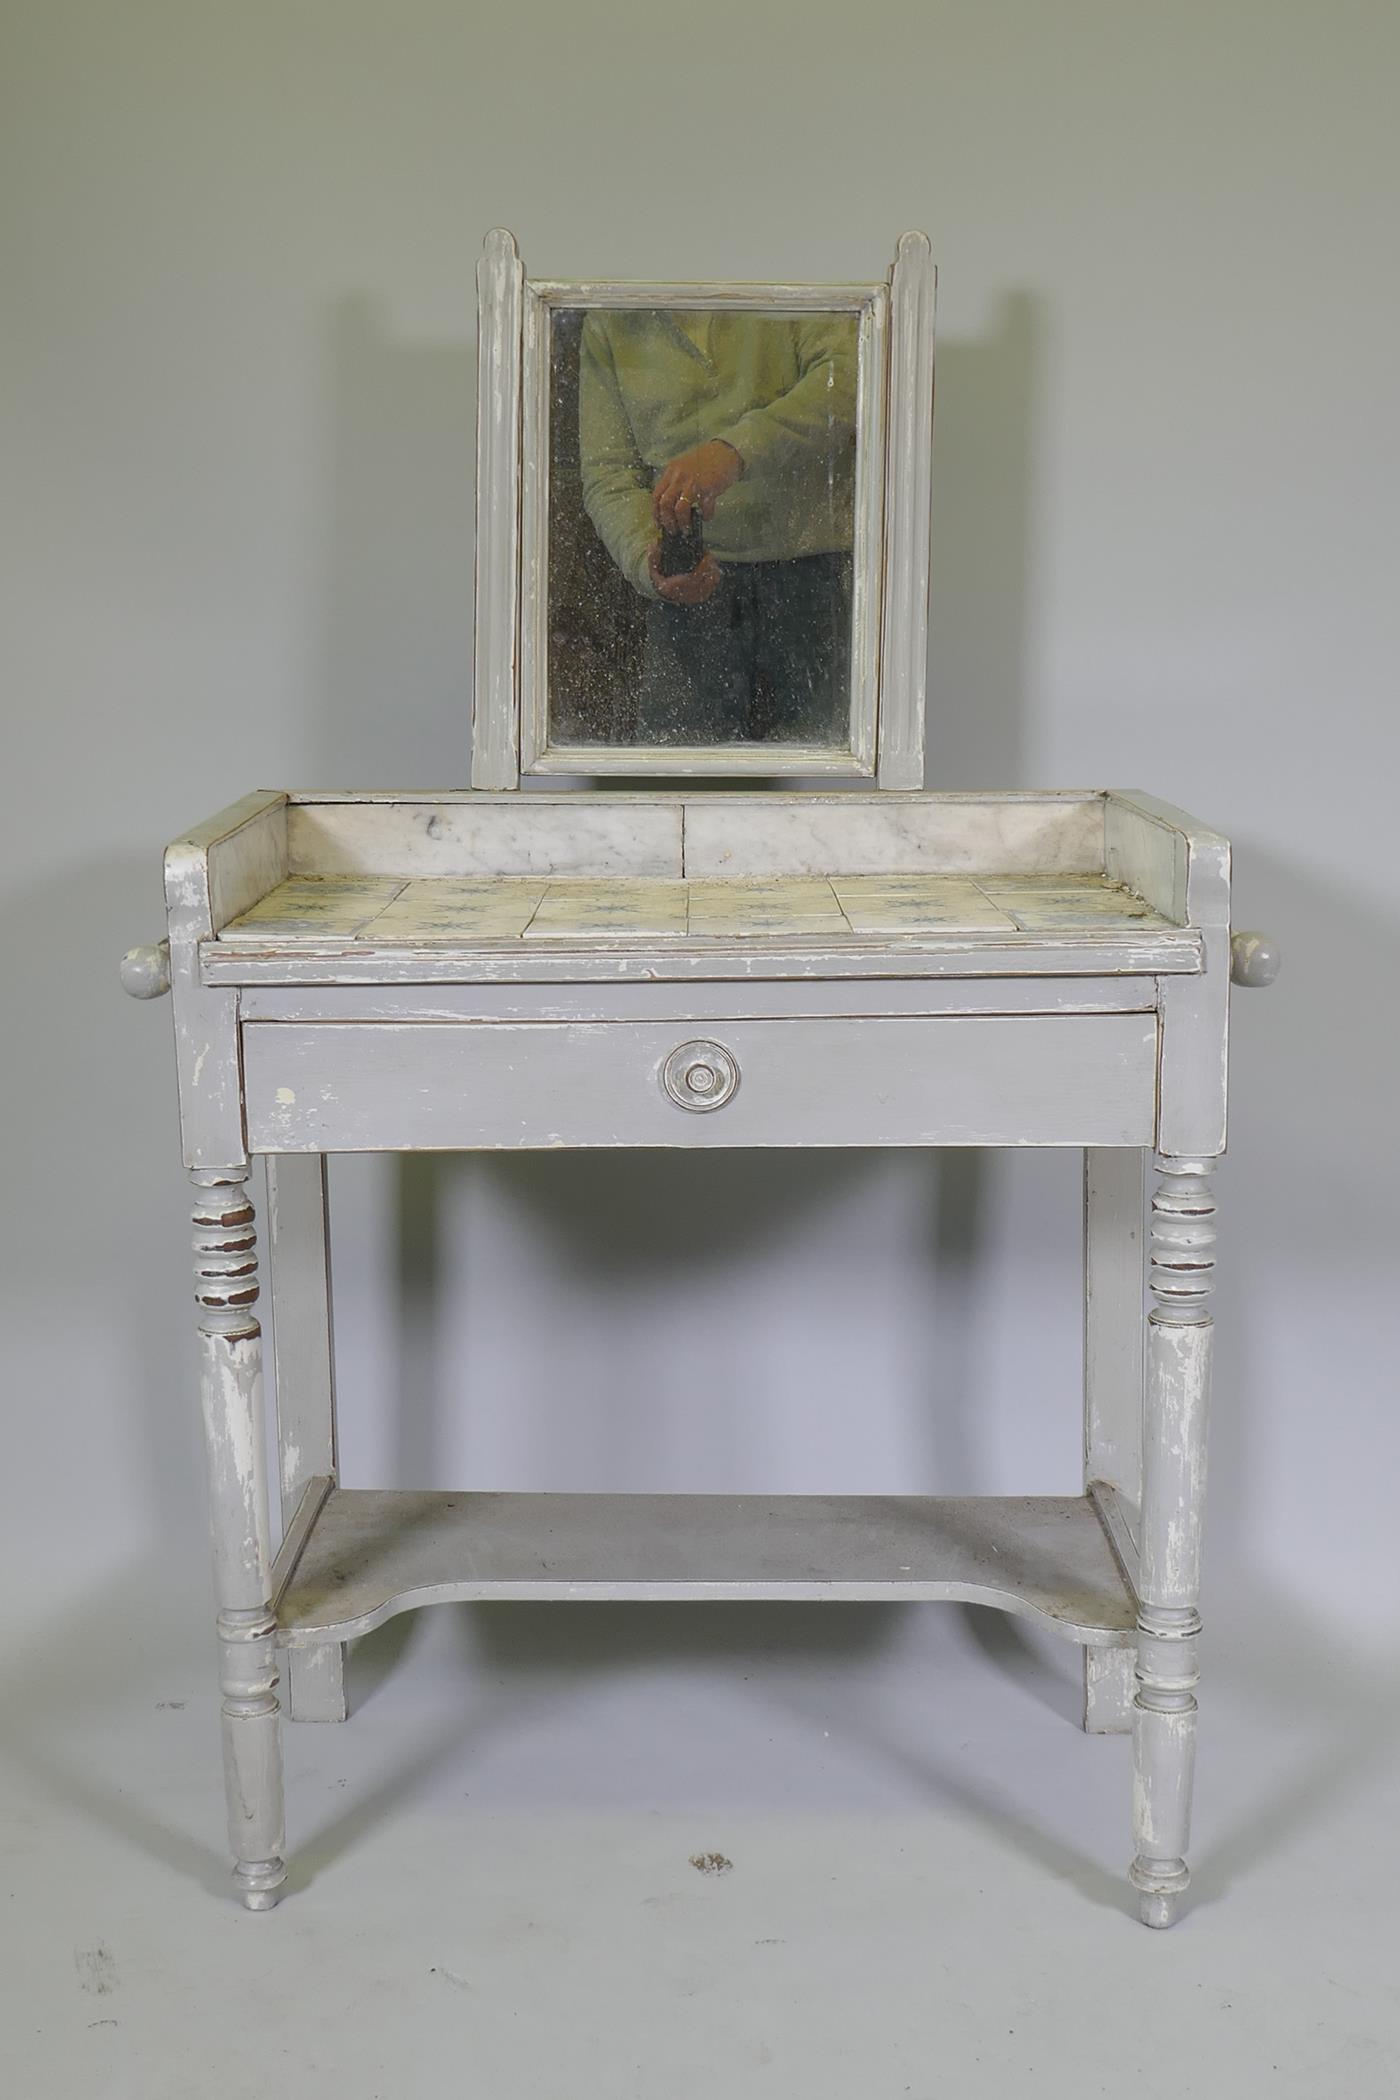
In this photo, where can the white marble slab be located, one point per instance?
(893, 834)
(500, 835)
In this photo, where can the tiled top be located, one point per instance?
(317, 912)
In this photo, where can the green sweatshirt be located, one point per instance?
(781, 390)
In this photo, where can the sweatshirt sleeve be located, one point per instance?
(817, 412)
(616, 487)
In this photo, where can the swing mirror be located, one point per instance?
(702, 526)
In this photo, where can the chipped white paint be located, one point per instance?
(747, 998)
(145, 972)
(304, 1362)
(495, 699)
(880, 969)
(951, 953)
(913, 282)
(1114, 1275)
(211, 875)
(226, 1291)
(1178, 1362)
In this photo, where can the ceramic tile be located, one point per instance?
(749, 909)
(917, 904)
(616, 910)
(320, 907)
(1065, 906)
(440, 913)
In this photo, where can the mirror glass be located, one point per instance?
(702, 505)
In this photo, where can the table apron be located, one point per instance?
(1008, 1079)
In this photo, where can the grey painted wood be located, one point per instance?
(495, 713)
(211, 874)
(1171, 952)
(688, 1003)
(303, 1355)
(905, 659)
(226, 1292)
(890, 549)
(1114, 1287)
(1054, 1079)
(372, 1553)
(145, 972)
(1111, 1040)
(1255, 960)
(1195, 1017)
(1178, 1354)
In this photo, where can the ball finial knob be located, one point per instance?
(1254, 960)
(145, 972)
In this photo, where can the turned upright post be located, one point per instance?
(1179, 1334)
(226, 1289)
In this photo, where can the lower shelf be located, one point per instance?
(356, 1556)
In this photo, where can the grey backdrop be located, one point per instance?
(239, 381)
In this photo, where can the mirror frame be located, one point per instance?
(891, 541)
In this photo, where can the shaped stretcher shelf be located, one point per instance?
(355, 1557)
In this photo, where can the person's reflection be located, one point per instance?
(748, 421)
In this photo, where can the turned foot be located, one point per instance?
(1159, 1910)
(259, 1882)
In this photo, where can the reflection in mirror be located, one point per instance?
(701, 519)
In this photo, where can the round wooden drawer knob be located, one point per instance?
(700, 1076)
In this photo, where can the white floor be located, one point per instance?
(494, 1889)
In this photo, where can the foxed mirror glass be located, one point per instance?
(705, 473)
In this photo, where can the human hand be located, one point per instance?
(692, 587)
(695, 480)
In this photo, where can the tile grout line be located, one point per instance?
(361, 932)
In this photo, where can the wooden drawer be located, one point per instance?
(1018, 1079)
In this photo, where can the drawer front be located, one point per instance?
(1018, 1079)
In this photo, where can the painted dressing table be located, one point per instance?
(848, 963)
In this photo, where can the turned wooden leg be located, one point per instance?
(1181, 1279)
(298, 1252)
(1114, 1203)
(226, 1289)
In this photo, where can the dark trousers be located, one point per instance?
(767, 657)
